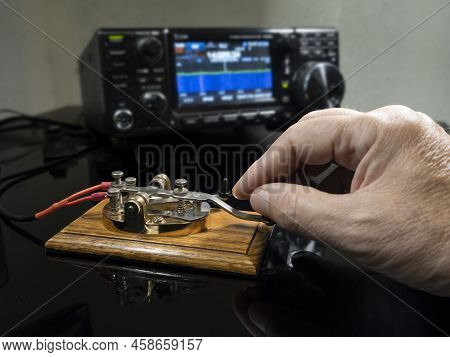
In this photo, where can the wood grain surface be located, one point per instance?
(228, 244)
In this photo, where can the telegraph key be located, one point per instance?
(162, 224)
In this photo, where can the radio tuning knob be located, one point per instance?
(319, 84)
(150, 48)
(123, 119)
(155, 101)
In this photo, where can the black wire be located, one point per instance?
(26, 174)
(31, 237)
(12, 216)
(17, 127)
(42, 123)
(46, 167)
(38, 120)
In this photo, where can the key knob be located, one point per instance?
(180, 186)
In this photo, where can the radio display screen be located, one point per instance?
(221, 73)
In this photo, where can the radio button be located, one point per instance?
(142, 80)
(116, 39)
(117, 64)
(318, 52)
(117, 52)
(305, 52)
(143, 70)
(267, 114)
(211, 119)
(230, 118)
(158, 79)
(121, 85)
(191, 121)
(249, 116)
(119, 76)
(305, 42)
(306, 34)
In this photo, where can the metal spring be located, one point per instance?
(181, 207)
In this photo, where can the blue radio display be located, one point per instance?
(223, 72)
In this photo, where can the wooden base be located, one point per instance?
(228, 244)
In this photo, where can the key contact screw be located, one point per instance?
(130, 181)
(180, 186)
(114, 198)
(117, 176)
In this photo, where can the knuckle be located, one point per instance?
(293, 132)
(309, 116)
(295, 127)
(407, 123)
(398, 108)
(399, 120)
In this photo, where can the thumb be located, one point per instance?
(305, 210)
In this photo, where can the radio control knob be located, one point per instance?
(123, 119)
(154, 101)
(319, 85)
(150, 48)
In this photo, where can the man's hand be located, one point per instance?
(396, 218)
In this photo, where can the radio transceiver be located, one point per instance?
(139, 81)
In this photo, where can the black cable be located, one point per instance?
(46, 167)
(26, 174)
(17, 127)
(35, 122)
(17, 115)
(43, 123)
(32, 238)
(40, 121)
(12, 216)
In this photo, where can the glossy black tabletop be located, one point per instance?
(297, 292)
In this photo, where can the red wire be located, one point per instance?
(77, 198)
(95, 197)
(100, 187)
